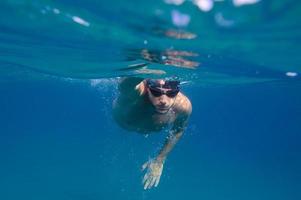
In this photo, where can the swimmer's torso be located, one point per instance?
(140, 116)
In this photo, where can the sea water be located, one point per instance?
(60, 64)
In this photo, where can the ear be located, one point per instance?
(141, 88)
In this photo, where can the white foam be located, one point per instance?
(104, 84)
(220, 20)
(244, 2)
(204, 5)
(180, 19)
(80, 21)
(175, 2)
(291, 74)
(56, 11)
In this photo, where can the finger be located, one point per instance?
(152, 182)
(145, 178)
(157, 181)
(147, 184)
(144, 166)
(149, 180)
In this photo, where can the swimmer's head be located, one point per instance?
(162, 93)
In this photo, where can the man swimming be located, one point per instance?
(151, 105)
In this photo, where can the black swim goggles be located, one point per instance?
(157, 89)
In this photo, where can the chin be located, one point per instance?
(162, 111)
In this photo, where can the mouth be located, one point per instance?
(162, 109)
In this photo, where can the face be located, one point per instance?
(161, 103)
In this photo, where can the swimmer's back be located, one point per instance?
(127, 87)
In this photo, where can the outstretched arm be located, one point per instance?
(184, 111)
(155, 166)
(174, 136)
(127, 87)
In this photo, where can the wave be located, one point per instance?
(89, 40)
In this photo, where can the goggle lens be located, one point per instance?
(170, 93)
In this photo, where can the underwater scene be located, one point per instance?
(155, 99)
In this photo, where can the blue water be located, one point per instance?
(59, 77)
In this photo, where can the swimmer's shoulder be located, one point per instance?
(128, 87)
(129, 83)
(183, 105)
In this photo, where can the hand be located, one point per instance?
(141, 88)
(153, 173)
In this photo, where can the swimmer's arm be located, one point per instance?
(169, 144)
(128, 87)
(175, 134)
(155, 166)
(184, 111)
(141, 88)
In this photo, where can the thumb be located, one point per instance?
(144, 165)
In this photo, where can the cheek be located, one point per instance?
(153, 100)
(170, 101)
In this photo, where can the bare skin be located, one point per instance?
(141, 112)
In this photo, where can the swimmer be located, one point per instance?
(152, 105)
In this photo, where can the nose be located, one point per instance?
(162, 102)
